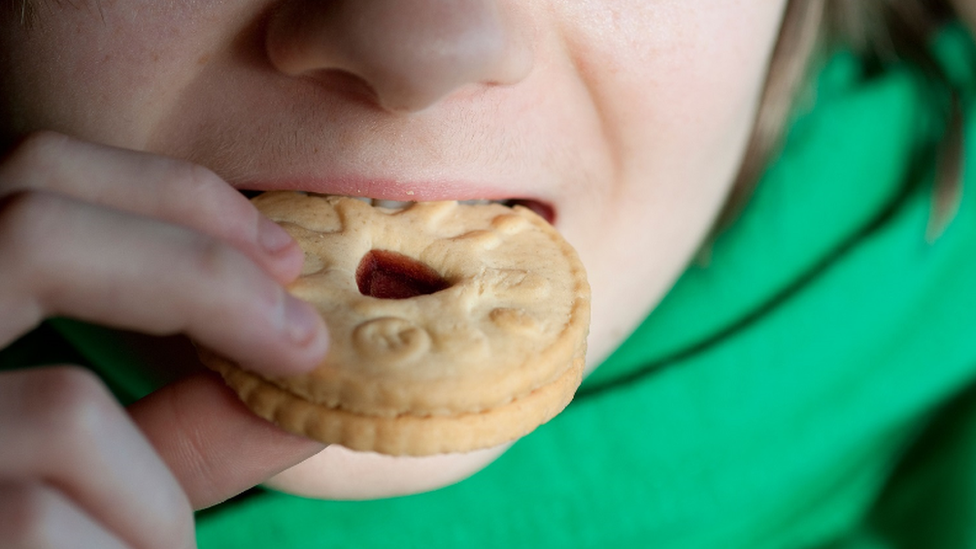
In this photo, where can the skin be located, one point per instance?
(627, 117)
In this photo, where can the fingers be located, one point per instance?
(215, 446)
(158, 246)
(36, 516)
(107, 266)
(152, 186)
(81, 466)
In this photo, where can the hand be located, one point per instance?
(150, 244)
(144, 243)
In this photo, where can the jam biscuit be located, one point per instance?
(454, 327)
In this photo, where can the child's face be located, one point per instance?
(628, 118)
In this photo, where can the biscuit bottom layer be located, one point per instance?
(404, 434)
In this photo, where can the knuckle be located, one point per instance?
(26, 218)
(72, 405)
(27, 515)
(34, 151)
(32, 161)
(33, 225)
(197, 181)
(214, 259)
(30, 209)
(212, 197)
(227, 274)
(44, 142)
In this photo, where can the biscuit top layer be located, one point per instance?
(513, 314)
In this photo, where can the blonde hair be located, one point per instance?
(884, 33)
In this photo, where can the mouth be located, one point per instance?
(542, 209)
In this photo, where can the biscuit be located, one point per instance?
(454, 327)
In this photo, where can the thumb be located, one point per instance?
(215, 446)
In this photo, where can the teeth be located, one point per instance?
(399, 204)
(391, 204)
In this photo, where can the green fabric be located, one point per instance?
(810, 387)
(61, 341)
(110, 357)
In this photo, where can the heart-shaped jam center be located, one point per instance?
(390, 275)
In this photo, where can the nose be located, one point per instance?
(409, 53)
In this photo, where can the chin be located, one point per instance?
(338, 473)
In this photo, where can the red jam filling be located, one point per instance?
(391, 275)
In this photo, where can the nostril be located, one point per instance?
(409, 54)
(353, 86)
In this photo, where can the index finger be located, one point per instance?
(153, 186)
(214, 446)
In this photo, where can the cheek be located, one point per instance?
(697, 83)
(677, 87)
(106, 74)
(678, 95)
(686, 108)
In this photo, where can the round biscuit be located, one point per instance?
(469, 366)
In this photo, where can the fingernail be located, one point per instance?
(272, 237)
(302, 323)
